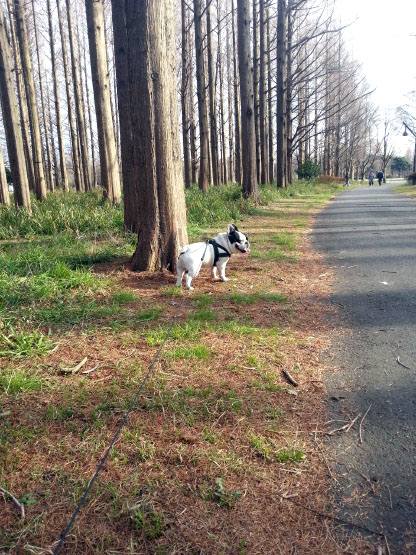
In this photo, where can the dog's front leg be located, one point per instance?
(222, 270)
(214, 272)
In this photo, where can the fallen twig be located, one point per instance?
(75, 368)
(345, 428)
(289, 378)
(90, 370)
(401, 364)
(361, 423)
(15, 501)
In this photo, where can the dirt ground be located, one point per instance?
(222, 454)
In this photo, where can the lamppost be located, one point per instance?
(405, 134)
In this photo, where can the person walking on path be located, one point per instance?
(371, 178)
(347, 180)
(380, 176)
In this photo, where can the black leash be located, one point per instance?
(122, 423)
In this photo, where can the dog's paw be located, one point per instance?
(190, 288)
(224, 279)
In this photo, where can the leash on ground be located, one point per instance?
(124, 420)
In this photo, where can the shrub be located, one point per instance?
(308, 170)
(411, 178)
(331, 179)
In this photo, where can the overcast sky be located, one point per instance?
(381, 40)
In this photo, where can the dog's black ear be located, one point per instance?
(231, 228)
(235, 227)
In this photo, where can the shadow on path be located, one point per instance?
(369, 238)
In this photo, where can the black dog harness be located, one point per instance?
(217, 255)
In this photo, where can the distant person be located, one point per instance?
(380, 176)
(371, 178)
(347, 180)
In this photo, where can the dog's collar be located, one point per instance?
(217, 255)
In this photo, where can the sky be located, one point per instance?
(381, 40)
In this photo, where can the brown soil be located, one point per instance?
(186, 457)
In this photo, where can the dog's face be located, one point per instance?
(239, 241)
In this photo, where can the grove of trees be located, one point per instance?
(146, 98)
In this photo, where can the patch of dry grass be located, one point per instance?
(186, 475)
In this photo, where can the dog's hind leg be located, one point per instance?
(180, 271)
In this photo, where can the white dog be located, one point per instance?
(214, 253)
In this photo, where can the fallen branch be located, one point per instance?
(289, 378)
(361, 423)
(15, 501)
(90, 370)
(345, 428)
(75, 368)
(401, 364)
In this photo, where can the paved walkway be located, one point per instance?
(369, 238)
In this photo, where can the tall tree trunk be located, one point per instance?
(55, 164)
(230, 108)
(288, 93)
(248, 133)
(262, 98)
(269, 100)
(281, 56)
(91, 132)
(62, 162)
(128, 117)
(237, 134)
(11, 122)
(24, 116)
(155, 139)
(49, 174)
(201, 94)
(4, 189)
(224, 176)
(22, 36)
(186, 76)
(85, 162)
(212, 100)
(79, 184)
(110, 170)
(256, 89)
(192, 125)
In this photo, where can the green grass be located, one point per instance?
(200, 352)
(267, 449)
(253, 298)
(18, 381)
(24, 344)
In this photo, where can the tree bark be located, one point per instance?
(79, 110)
(256, 90)
(21, 28)
(155, 134)
(237, 134)
(212, 100)
(21, 95)
(269, 101)
(4, 189)
(62, 162)
(186, 76)
(201, 94)
(11, 122)
(79, 185)
(281, 144)
(49, 173)
(264, 176)
(248, 134)
(110, 170)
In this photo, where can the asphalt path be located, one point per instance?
(368, 237)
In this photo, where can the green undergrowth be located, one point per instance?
(215, 419)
